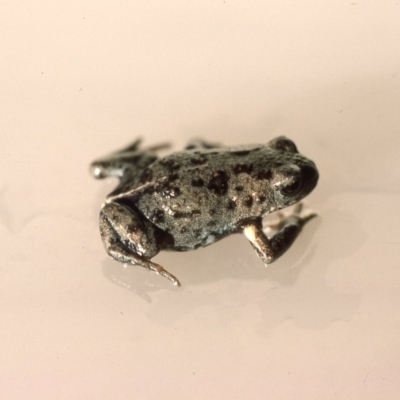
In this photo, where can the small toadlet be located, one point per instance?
(192, 198)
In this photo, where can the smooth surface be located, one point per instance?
(80, 79)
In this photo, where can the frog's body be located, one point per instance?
(195, 197)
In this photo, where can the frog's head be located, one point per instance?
(293, 175)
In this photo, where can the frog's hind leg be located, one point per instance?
(128, 161)
(270, 249)
(129, 239)
(200, 144)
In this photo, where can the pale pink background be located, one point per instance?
(81, 78)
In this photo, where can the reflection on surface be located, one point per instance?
(229, 281)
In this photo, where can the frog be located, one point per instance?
(195, 197)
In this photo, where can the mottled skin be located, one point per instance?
(192, 198)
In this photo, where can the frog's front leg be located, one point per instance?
(127, 161)
(270, 249)
(129, 239)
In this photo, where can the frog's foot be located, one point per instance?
(288, 228)
(295, 214)
(158, 269)
(119, 253)
(130, 240)
(300, 216)
(200, 144)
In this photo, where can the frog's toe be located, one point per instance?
(300, 216)
(304, 214)
(158, 269)
(308, 216)
(298, 208)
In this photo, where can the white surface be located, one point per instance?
(81, 78)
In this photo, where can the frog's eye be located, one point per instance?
(290, 181)
(291, 187)
(284, 144)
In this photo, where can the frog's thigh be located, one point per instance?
(118, 222)
(129, 240)
(270, 249)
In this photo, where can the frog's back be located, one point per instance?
(201, 196)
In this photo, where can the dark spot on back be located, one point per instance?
(265, 174)
(146, 176)
(261, 198)
(173, 177)
(239, 188)
(219, 183)
(231, 204)
(198, 159)
(131, 228)
(197, 182)
(172, 165)
(184, 214)
(113, 241)
(242, 168)
(248, 201)
(197, 233)
(157, 216)
(150, 190)
(241, 153)
(178, 214)
(173, 191)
